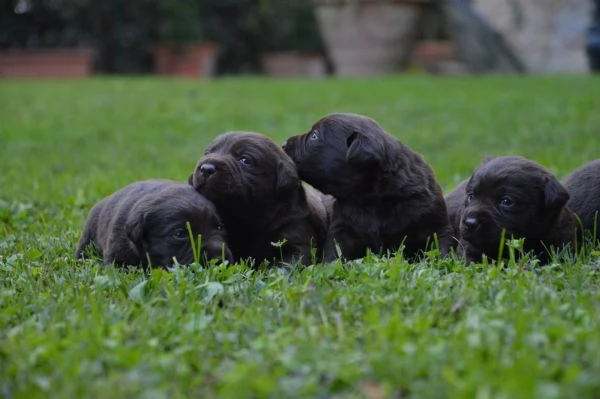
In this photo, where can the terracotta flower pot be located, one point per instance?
(438, 57)
(46, 63)
(294, 63)
(368, 37)
(190, 60)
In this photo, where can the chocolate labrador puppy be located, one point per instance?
(518, 195)
(145, 224)
(385, 193)
(455, 204)
(257, 191)
(583, 186)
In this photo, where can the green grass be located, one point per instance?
(378, 327)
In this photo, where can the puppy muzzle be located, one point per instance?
(290, 146)
(218, 251)
(205, 171)
(477, 227)
(471, 223)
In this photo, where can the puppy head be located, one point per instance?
(244, 168)
(339, 152)
(510, 193)
(157, 227)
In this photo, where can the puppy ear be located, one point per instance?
(363, 150)
(134, 229)
(190, 179)
(287, 177)
(555, 195)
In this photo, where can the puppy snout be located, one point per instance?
(218, 251)
(207, 169)
(471, 223)
(288, 145)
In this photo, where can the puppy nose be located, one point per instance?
(207, 169)
(471, 223)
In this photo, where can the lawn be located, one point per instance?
(374, 328)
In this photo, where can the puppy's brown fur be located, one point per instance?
(147, 220)
(385, 193)
(583, 186)
(257, 191)
(518, 195)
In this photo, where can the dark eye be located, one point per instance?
(219, 226)
(244, 160)
(314, 135)
(469, 197)
(181, 234)
(506, 202)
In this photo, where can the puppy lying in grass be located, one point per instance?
(385, 193)
(268, 213)
(145, 224)
(583, 186)
(517, 195)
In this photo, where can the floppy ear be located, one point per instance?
(134, 229)
(555, 195)
(287, 177)
(363, 150)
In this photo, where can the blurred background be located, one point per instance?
(299, 38)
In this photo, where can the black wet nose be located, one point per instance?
(471, 223)
(207, 169)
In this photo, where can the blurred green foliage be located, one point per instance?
(124, 32)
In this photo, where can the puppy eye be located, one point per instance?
(469, 197)
(314, 135)
(244, 160)
(506, 202)
(219, 227)
(181, 234)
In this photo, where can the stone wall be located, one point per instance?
(547, 35)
